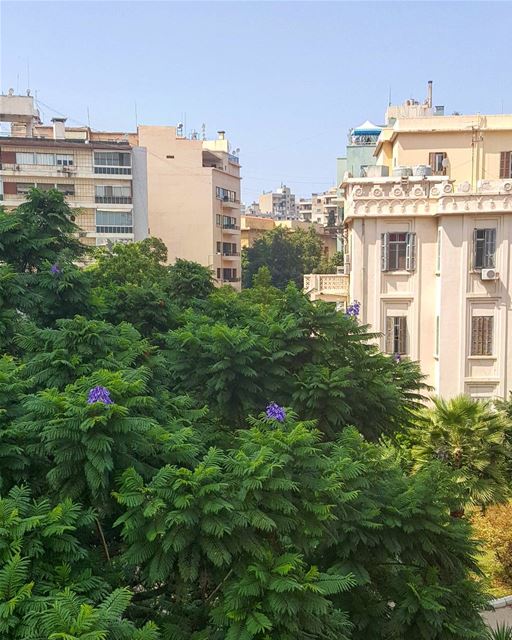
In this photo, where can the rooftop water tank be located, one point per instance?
(422, 170)
(402, 172)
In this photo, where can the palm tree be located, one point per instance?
(502, 632)
(473, 439)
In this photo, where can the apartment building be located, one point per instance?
(280, 204)
(102, 176)
(194, 198)
(126, 186)
(254, 227)
(305, 209)
(428, 246)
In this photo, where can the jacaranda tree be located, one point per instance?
(184, 463)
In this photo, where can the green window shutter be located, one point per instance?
(390, 324)
(402, 335)
(384, 255)
(505, 168)
(489, 248)
(410, 252)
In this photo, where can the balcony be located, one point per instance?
(233, 159)
(228, 227)
(330, 287)
(229, 203)
(231, 254)
(113, 199)
(231, 279)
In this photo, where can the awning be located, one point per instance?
(367, 129)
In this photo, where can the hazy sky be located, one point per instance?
(284, 79)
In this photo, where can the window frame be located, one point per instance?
(404, 253)
(397, 341)
(437, 168)
(485, 245)
(482, 337)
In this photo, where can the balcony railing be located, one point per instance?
(326, 285)
(113, 170)
(230, 279)
(232, 227)
(233, 159)
(113, 199)
(231, 254)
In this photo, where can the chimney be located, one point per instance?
(222, 135)
(429, 94)
(59, 128)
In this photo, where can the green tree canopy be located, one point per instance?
(148, 491)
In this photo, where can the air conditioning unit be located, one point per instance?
(489, 274)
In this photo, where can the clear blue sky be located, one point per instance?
(286, 80)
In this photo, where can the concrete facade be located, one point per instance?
(194, 199)
(429, 256)
(279, 204)
(101, 174)
(126, 186)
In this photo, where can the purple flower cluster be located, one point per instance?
(397, 357)
(99, 394)
(275, 412)
(55, 269)
(353, 309)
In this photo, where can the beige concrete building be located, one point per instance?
(325, 207)
(101, 174)
(126, 186)
(253, 228)
(428, 249)
(279, 204)
(194, 198)
(305, 209)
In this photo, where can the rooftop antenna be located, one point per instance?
(203, 131)
(389, 98)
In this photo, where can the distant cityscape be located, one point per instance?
(421, 210)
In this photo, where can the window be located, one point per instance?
(218, 219)
(229, 248)
(229, 222)
(112, 162)
(229, 275)
(218, 273)
(484, 248)
(219, 247)
(438, 161)
(481, 335)
(66, 189)
(396, 335)
(225, 194)
(398, 251)
(22, 188)
(113, 195)
(35, 158)
(114, 222)
(506, 164)
(64, 160)
(45, 186)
